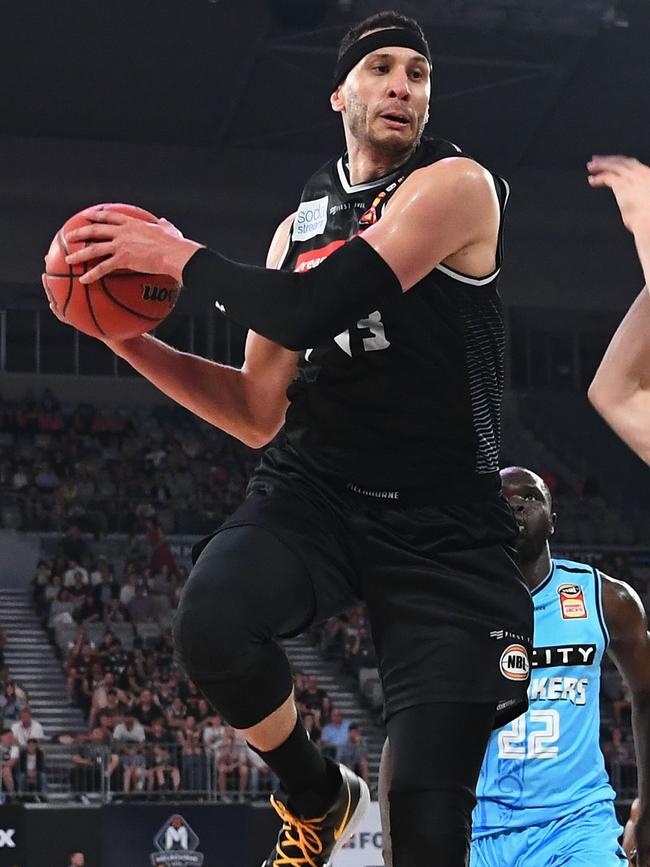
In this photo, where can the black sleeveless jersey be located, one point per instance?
(409, 396)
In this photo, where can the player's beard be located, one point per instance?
(399, 148)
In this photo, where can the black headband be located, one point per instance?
(379, 39)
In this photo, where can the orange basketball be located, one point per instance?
(121, 304)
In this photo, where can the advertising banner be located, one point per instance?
(12, 836)
(159, 835)
(178, 835)
(364, 847)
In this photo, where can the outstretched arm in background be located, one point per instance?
(620, 390)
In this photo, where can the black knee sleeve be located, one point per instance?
(434, 824)
(436, 750)
(245, 589)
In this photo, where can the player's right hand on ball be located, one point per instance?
(118, 242)
(629, 180)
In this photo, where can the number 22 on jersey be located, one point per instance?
(532, 741)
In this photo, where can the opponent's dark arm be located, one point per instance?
(630, 649)
(297, 310)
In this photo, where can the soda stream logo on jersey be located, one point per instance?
(572, 602)
(310, 219)
(514, 662)
(572, 654)
(313, 258)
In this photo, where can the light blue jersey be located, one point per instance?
(548, 763)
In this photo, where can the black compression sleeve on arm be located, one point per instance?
(297, 310)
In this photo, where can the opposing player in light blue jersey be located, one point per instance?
(544, 797)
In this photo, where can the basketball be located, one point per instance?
(121, 304)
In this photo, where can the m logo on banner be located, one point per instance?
(177, 844)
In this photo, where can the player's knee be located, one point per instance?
(211, 627)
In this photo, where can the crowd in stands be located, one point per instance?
(108, 471)
(149, 732)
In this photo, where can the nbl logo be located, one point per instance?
(177, 844)
(159, 293)
(514, 662)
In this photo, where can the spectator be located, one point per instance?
(299, 683)
(163, 582)
(129, 731)
(51, 592)
(354, 752)
(115, 657)
(232, 759)
(176, 714)
(86, 688)
(75, 575)
(104, 647)
(92, 760)
(89, 611)
(79, 665)
(260, 772)
(165, 653)
(192, 756)
(312, 696)
(9, 754)
(100, 699)
(134, 768)
(130, 735)
(141, 608)
(114, 712)
(309, 721)
(115, 612)
(61, 610)
(325, 715)
(161, 554)
(213, 736)
(189, 693)
(331, 638)
(134, 680)
(104, 588)
(202, 713)
(127, 593)
(163, 772)
(334, 734)
(146, 710)
(31, 769)
(79, 587)
(27, 728)
(10, 704)
(77, 859)
(361, 652)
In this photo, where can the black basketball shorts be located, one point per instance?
(450, 613)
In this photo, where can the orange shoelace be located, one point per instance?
(306, 839)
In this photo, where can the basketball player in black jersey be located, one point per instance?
(378, 343)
